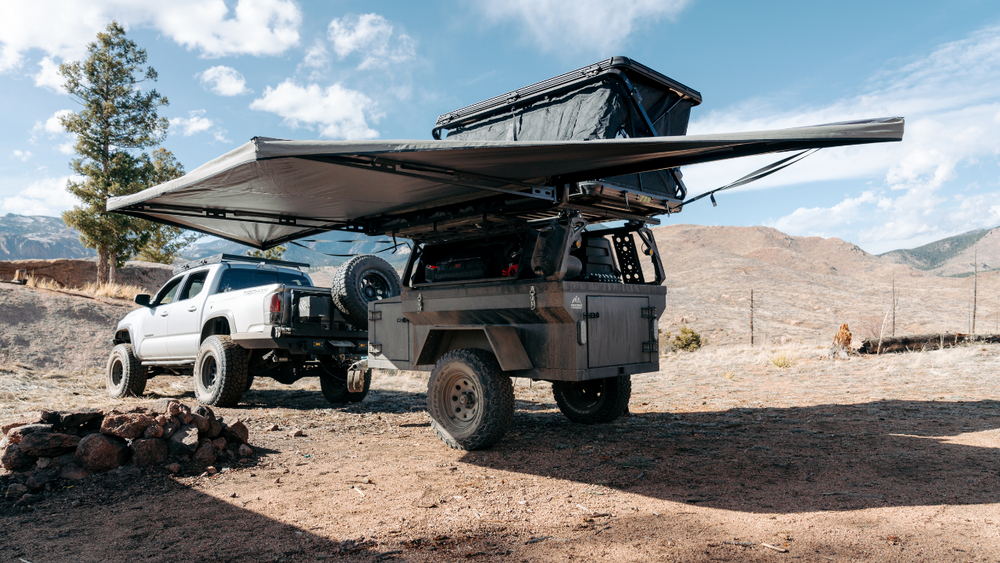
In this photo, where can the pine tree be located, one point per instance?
(165, 242)
(118, 116)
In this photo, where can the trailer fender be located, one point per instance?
(501, 340)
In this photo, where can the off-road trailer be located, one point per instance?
(504, 278)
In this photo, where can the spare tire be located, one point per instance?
(361, 280)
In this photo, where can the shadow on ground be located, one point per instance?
(772, 460)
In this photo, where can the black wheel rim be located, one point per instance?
(461, 399)
(586, 394)
(117, 373)
(374, 286)
(209, 372)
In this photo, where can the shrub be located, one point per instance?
(781, 360)
(688, 340)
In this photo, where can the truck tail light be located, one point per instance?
(276, 303)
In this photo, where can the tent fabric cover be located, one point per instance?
(270, 191)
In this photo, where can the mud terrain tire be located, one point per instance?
(220, 372)
(361, 280)
(596, 401)
(125, 376)
(469, 399)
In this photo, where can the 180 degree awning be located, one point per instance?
(270, 191)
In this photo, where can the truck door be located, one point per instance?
(184, 319)
(154, 327)
(617, 330)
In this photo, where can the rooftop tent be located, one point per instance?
(614, 98)
(270, 191)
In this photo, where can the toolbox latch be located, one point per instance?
(375, 349)
(374, 315)
(592, 315)
(649, 312)
(651, 346)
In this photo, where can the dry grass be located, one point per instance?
(106, 290)
(44, 283)
(781, 360)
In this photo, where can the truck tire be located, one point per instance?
(596, 401)
(469, 399)
(220, 372)
(361, 280)
(334, 386)
(125, 375)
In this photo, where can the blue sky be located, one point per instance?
(339, 69)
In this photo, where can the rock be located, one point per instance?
(245, 450)
(838, 353)
(61, 420)
(148, 452)
(177, 409)
(211, 470)
(171, 426)
(843, 337)
(29, 499)
(200, 422)
(73, 471)
(13, 459)
(154, 431)
(37, 480)
(186, 417)
(62, 461)
(16, 490)
(219, 444)
(205, 411)
(236, 432)
(214, 428)
(173, 467)
(18, 433)
(296, 432)
(205, 453)
(23, 422)
(273, 428)
(184, 441)
(100, 452)
(44, 444)
(43, 462)
(3, 442)
(127, 425)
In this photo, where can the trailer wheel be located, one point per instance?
(469, 399)
(361, 280)
(220, 372)
(125, 375)
(333, 382)
(595, 401)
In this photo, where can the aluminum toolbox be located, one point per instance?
(557, 331)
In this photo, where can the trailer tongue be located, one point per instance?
(504, 278)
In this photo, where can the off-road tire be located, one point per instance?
(334, 386)
(250, 377)
(361, 280)
(596, 401)
(220, 372)
(125, 376)
(475, 375)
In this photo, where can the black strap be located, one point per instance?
(756, 175)
(392, 248)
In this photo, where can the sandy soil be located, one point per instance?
(891, 458)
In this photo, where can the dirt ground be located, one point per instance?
(892, 458)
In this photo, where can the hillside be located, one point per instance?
(25, 237)
(953, 256)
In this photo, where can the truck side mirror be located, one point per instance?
(142, 299)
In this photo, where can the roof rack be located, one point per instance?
(218, 258)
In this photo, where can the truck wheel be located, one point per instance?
(125, 376)
(220, 372)
(334, 385)
(469, 399)
(595, 401)
(361, 280)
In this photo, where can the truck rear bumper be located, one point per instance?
(354, 343)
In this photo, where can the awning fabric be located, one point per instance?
(270, 191)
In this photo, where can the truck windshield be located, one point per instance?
(235, 279)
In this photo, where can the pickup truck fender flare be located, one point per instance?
(127, 329)
(501, 340)
(209, 324)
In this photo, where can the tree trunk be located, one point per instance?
(112, 268)
(102, 265)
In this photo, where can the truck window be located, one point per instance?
(194, 285)
(168, 292)
(235, 279)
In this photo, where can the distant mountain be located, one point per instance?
(24, 237)
(953, 256)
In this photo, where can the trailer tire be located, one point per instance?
(125, 376)
(595, 401)
(469, 399)
(334, 386)
(361, 280)
(220, 372)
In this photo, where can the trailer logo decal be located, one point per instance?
(576, 303)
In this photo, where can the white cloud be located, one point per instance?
(63, 28)
(951, 100)
(52, 129)
(23, 156)
(316, 56)
(196, 122)
(42, 197)
(53, 125)
(48, 76)
(589, 25)
(335, 111)
(224, 81)
(371, 36)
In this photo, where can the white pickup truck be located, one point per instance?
(228, 319)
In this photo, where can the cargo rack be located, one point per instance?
(219, 258)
